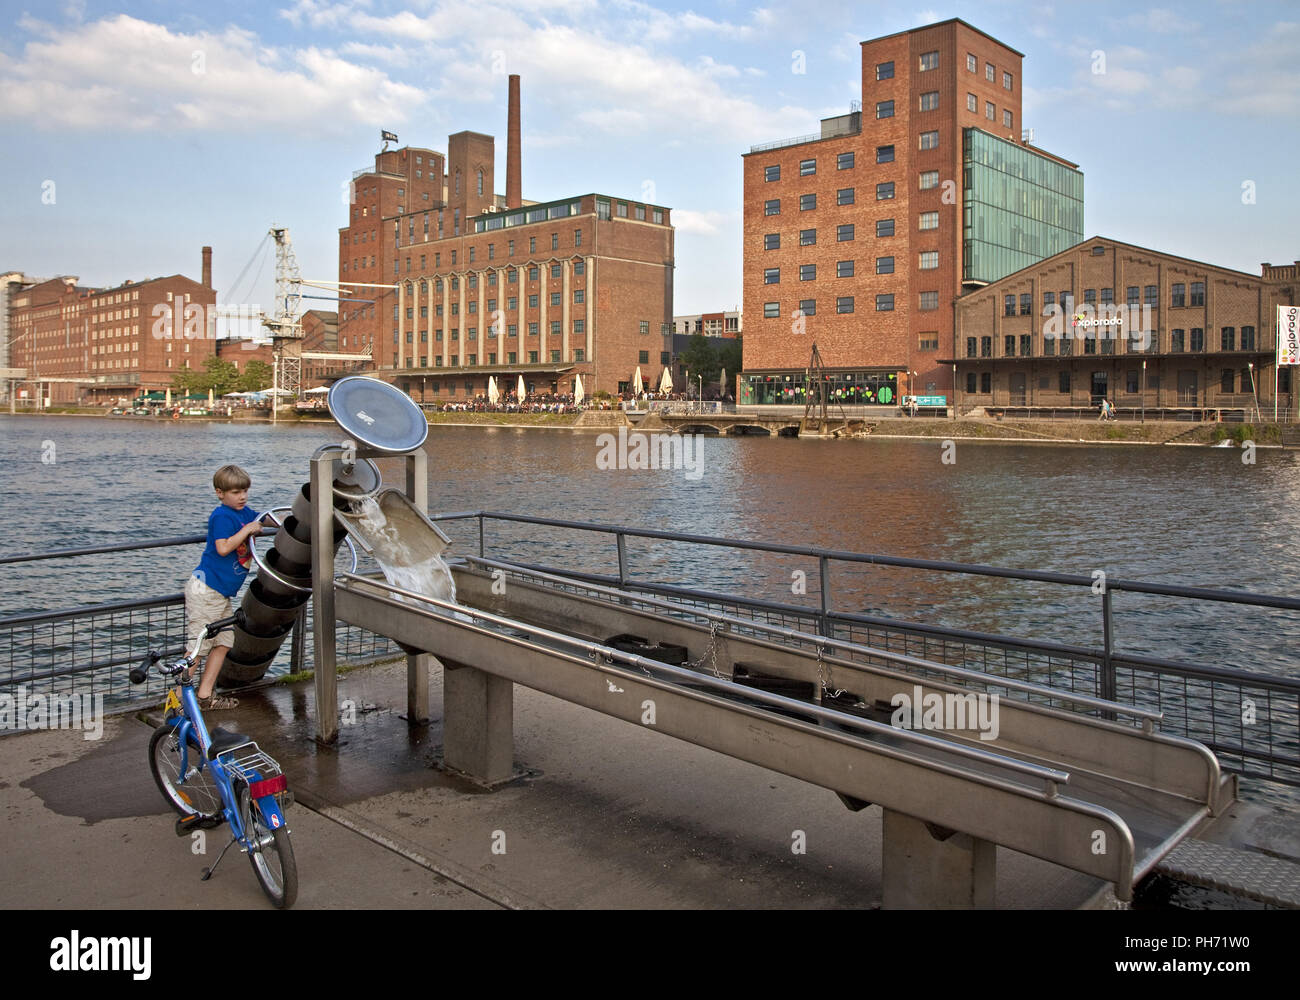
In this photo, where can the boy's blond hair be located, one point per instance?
(231, 477)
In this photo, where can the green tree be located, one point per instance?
(220, 376)
(731, 357)
(185, 382)
(257, 375)
(701, 359)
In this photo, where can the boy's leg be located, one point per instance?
(212, 670)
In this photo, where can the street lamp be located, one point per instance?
(1254, 395)
(1144, 390)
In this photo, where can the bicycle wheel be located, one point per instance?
(271, 856)
(198, 792)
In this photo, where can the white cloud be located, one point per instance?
(121, 72)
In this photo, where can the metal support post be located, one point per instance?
(322, 557)
(478, 722)
(928, 868)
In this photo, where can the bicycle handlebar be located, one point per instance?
(140, 673)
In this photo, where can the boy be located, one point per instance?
(220, 574)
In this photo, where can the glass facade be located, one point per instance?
(847, 388)
(1018, 208)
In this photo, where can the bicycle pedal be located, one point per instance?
(207, 874)
(196, 821)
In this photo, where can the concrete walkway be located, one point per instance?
(603, 814)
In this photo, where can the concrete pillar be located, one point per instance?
(417, 689)
(478, 723)
(921, 872)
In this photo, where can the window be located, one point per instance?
(884, 265)
(990, 112)
(1108, 296)
(970, 382)
(1009, 305)
(771, 310)
(1247, 338)
(929, 260)
(1178, 295)
(1228, 340)
(844, 304)
(1006, 81)
(929, 341)
(884, 109)
(579, 353)
(884, 227)
(885, 71)
(1026, 344)
(579, 326)
(1006, 119)
(808, 307)
(929, 60)
(807, 272)
(844, 196)
(929, 301)
(1198, 339)
(930, 100)
(620, 209)
(986, 347)
(772, 276)
(970, 347)
(929, 220)
(532, 302)
(1177, 341)
(555, 299)
(579, 268)
(532, 329)
(885, 191)
(1228, 383)
(929, 179)
(1009, 346)
(772, 173)
(1049, 301)
(1090, 296)
(772, 241)
(884, 154)
(534, 272)
(844, 269)
(930, 140)
(772, 207)
(556, 270)
(1198, 293)
(844, 233)
(971, 65)
(807, 237)
(807, 168)
(988, 72)
(577, 238)
(844, 161)
(1026, 303)
(1063, 381)
(1150, 296)
(512, 303)
(972, 103)
(807, 202)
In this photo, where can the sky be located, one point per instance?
(132, 135)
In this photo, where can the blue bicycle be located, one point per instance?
(221, 778)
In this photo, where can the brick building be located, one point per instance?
(861, 237)
(1143, 328)
(499, 286)
(106, 345)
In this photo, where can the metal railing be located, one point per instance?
(88, 650)
(1250, 720)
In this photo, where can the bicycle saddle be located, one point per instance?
(223, 740)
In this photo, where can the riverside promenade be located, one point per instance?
(602, 814)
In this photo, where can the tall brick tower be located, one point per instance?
(514, 183)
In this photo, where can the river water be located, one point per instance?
(1192, 516)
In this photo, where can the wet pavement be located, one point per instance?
(602, 814)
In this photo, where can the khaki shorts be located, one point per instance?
(203, 606)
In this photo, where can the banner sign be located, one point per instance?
(1288, 335)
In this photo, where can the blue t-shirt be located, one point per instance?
(226, 574)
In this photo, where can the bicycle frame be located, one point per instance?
(190, 723)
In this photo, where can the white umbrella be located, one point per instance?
(211, 400)
(666, 383)
(274, 392)
(168, 400)
(522, 391)
(638, 386)
(578, 394)
(494, 393)
(318, 389)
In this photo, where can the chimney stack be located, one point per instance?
(207, 267)
(514, 192)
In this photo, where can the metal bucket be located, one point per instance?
(280, 583)
(250, 646)
(266, 613)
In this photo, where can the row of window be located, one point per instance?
(1021, 345)
(511, 330)
(1135, 381)
(845, 268)
(471, 360)
(928, 302)
(846, 233)
(807, 168)
(1134, 295)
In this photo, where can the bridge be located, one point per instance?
(788, 424)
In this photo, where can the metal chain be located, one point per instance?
(824, 676)
(710, 654)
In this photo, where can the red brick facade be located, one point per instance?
(856, 326)
(1210, 341)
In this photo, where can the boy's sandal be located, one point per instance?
(217, 703)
